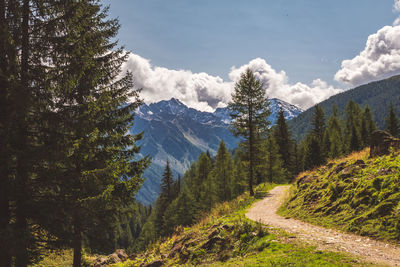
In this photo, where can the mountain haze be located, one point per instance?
(178, 133)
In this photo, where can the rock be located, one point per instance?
(349, 171)
(381, 142)
(121, 254)
(339, 167)
(156, 263)
(118, 256)
(306, 179)
(213, 241)
(385, 171)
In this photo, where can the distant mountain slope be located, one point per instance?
(377, 95)
(178, 133)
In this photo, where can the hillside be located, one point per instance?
(356, 194)
(377, 95)
(178, 133)
(226, 237)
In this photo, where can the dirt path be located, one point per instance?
(264, 211)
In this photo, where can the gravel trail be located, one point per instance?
(264, 211)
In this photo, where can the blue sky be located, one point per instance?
(306, 39)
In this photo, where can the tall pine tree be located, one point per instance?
(249, 111)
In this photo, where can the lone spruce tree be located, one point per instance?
(249, 110)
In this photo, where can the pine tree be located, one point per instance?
(98, 173)
(334, 146)
(238, 184)
(164, 200)
(182, 211)
(222, 174)
(202, 187)
(167, 184)
(367, 126)
(392, 122)
(313, 153)
(318, 123)
(273, 162)
(282, 137)
(353, 119)
(249, 111)
(296, 159)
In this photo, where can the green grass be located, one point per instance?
(366, 201)
(62, 258)
(242, 242)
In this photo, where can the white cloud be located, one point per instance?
(277, 85)
(396, 5)
(396, 9)
(197, 90)
(379, 60)
(206, 92)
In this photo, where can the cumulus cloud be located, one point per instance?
(380, 59)
(277, 85)
(205, 92)
(197, 90)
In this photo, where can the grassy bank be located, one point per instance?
(355, 194)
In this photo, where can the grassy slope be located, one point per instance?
(239, 242)
(362, 198)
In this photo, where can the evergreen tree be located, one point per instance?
(222, 174)
(296, 159)
(392, 122)
(273, 162)
(353, 120)
(249, 111)
(334, 146)
(238, 185)
(182, 211)
(97, 173)
(167, 184)
(164, 200)
(367, 126)
(354, 140)
(313, 153)
(318, 123)
(282, 137)
(202, 185)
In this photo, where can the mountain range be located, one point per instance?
(178, 133)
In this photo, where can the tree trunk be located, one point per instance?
(22, 258)
(251, 152)
(77, 246)
(5, 258)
